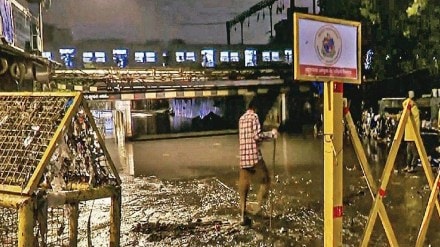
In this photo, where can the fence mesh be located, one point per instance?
(93, 225)
(78, 162)
(27, 125)
(8, 227)
(58, 226)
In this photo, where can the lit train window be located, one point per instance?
(100, 57)
(275, 56)
(288, 56)
(68, 56)
(47, 54)
(185, 56)
(180, 56)
(94, 57)
(67, 51)
(89, 60)
(139, 57)
(190, 56)
(88, 57)
(224, 56)
(145, 57)
(229, 56)
(207, 58)
(266, 56)
(234, 56)
(120, 57)
(150, 56)
(270, 56)
(250, 58)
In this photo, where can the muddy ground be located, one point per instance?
(201, 208)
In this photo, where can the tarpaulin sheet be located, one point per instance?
(6, 20)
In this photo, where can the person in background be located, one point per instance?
(434, 104)
(438, 120)
(410, 135)
(252, 165)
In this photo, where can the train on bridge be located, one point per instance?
(123, 55)
(117, 65)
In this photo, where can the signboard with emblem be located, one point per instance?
(326, 49)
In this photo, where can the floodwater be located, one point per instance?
(296, 201)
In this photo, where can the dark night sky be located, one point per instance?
(195, 21)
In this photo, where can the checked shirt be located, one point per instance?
(250, 136)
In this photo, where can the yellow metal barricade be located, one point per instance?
(52, 157)
(378, 207)
(369, 177)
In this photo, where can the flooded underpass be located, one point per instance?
(183, 192)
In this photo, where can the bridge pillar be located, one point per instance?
(124, 106)
(284, 112)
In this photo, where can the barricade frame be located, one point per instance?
(378, 207)
(32, 199)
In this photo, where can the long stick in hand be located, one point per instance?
(272, 187)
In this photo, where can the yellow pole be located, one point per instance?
(424, 158)
(333, 171)
(26, 224)
(73, 224)
(338, 166)
(115, 219)
(428, 213)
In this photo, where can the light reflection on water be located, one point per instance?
(187, 115)
(298, 186)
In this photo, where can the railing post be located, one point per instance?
(333, 172)
(73, 224)
(26, 223)
(115, 219)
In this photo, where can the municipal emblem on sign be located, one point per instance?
(328, 44)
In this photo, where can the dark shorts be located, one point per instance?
(257, 174)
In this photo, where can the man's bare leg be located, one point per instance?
(243, 187)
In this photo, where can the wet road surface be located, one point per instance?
(202, 172)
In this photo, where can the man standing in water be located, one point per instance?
(252, 165)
